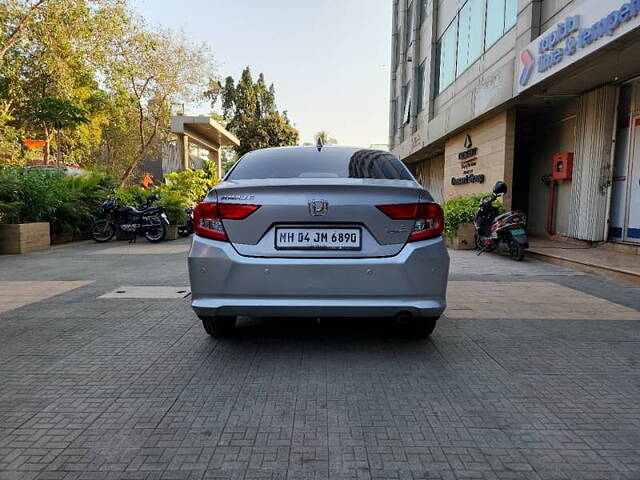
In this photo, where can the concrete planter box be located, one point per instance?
(464, 239)
(24, 237)
(172, 232)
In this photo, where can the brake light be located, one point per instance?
(207, 218)
(428, 218)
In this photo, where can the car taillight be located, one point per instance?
(207, 218)
(428, 218)
(233, 211)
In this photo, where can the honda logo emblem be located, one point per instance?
(317, 208)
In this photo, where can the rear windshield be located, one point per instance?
(309, 163)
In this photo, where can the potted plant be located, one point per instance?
(174, 205)
(26, 202)
(459, 213)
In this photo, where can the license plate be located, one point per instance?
(318, 238)
(518, 231)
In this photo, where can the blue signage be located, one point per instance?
(575, 37)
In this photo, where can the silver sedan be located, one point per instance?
(318, 231)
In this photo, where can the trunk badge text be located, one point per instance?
(237, 197)
(317, 208)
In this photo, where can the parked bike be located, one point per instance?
(148, 221)
(186, 228)
(505, 232)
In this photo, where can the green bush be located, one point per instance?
(133, 196)
(81, 198)
(174, 205)
(68, 203)
(192, 185)
(460, 210)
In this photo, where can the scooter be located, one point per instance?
(506, 232)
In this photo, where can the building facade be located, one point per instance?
(543, 94)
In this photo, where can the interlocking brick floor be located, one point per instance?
(96, 388)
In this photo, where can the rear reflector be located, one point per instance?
(429, 218)
(207, 218)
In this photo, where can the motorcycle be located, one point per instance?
(148, 221)
(187, 229)
(505, 232)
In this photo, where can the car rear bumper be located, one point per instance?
(224, 282)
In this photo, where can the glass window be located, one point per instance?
(406, 113)
(424, 8)
(446, 57)
(410, 25)
(306, 163)
(495, 21)
(511, 14)
(422, 86)
(469, 34)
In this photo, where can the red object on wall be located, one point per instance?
(562, 167)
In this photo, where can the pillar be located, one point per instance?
(183, 150)
(214, 156)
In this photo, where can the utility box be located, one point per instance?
(562, 166)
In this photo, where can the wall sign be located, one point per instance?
(467, 161)
(591, 26)
(468, 179)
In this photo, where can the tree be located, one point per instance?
(17, 16)
(250, 111)
(57, 55)
(55, 112)
(155, 69)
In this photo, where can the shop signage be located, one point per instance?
(591, 26)
(468, 179)
(467, 162)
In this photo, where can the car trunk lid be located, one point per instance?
(318, 202)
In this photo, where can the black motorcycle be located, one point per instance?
(186, 228)
(148, 221)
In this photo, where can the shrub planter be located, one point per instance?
(24, 237)
(464, 239)
(172, 232)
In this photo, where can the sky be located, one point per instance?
(329, 59)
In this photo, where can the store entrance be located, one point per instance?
(625, 197)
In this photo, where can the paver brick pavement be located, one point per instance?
(95, 388)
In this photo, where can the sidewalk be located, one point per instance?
(600, 260)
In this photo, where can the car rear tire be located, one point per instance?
(218, 326)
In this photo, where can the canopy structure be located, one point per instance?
(203, 132)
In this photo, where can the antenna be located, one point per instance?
(319, 145)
